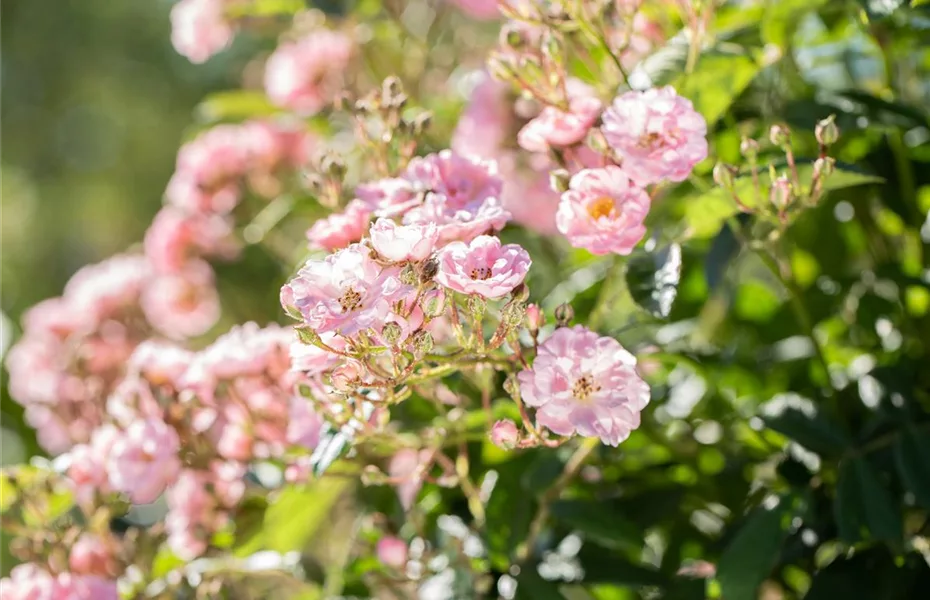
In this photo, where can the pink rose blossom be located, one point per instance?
(194, 514)
(305, 75)
(175, 236)
(583, 383)
(199, 28)
(313, 360)
(483, 267)
(338, 230)
(344, 293)
(93, 555)
(504, 434)
(183, 304)
(144, 460)
(407, 469)
(558, 127)
(304, 424)
(657, 134)
(109, 287)
(399, 243)
(392, 552)
(87, 472)
(389, 197)
(479, 9)
(603, 211)
(160, 363)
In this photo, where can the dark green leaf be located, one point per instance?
(601, 565)
(754, 551)
(653, 277)
(863, 508)
(530, 586)
(598, 522)
(812, 430)
(912, 456)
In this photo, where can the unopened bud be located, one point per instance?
(512, 386)
(779, 135)
(428, 270)
(333, 166)
(780, 192)
(391, 333)
(723, 176)
(749, 148)
(824, 167)
(564, 313)
(392, 552)
(433, 303)
(559, 179)
(826, 131)
(504, 434)
(345, 376)
(422, 342)
(408, 275)
(372, 475)
(534, 317)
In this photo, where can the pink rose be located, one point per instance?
(559, 127)
(338, 230)
(483, 267)
(144, 460)
(603, 211)
(407, 468)
(306, 74)
(183, 304)
(399, 243)
(504, 434)
(199, 28)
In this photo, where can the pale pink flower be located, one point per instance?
(175, 236)
(144, 460)
(483, 267)
(185, 303)
(92, 555)
(535, 318)
(54, 316)
(407, 468)
(392, 552)
(313, 360)
(340, 229)
(479, 9)
(346, 376)
(131, 400)
(504, 434)
(109, 287)
(344, 293)
(208, 169)
(193, 514)
(304, 424)
(603, 211)
(87, 472)
(657, 134)
(29, 582)
(388, 197)
(559, 127)
(583, 383)
(462, 195)
(487, 121)
(399, 243)
(306, 74)
(160, 363)
(529, 197)
(199, 28)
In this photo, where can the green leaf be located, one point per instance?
(810, 429)
(782, 18)
(237, 105)
(653, 277)
(717, 81)
(165, 562)
(598, 522)
(266, 8)
(601, 565)
(863, 508)
(530, 586)
(750, 556)
(8, 492)
(912, 456)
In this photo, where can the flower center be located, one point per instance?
(480, 273)
(350, 300)
(601, 207)
(651, 141)
(584, 387)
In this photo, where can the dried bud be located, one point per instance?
(422, 342)
(333, 167)
(428, 270)
(513, 314)
(824, 167)
(512, 386)
(372, 475)
(780, 193)
(779, 135)
(433, 303)
(408, 275)
(723, 175)
(391, 90)
(558, 180)
(749, 148)
(476, 306)
(504, 434)
(827, 132)
(564, 313)
(391, 332)
(534, 317)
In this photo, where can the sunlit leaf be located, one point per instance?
(912, 456)
(653, 277)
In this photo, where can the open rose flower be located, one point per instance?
(583, 383)
(183, 304)
(144, 460)
(389, 197)
(344, 293)
(603, 211)
(403, 242)
(559, 127)
(200, 29)
(483, 267)
(657, 134)
(338, 230)
(306, 74)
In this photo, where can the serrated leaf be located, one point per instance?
(750, 556)
(912, 457)
(652, 279)
(598, 522)
(863, 508)
(812, 430)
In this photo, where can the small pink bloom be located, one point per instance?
(344, 293)
(603, 211)
(403, 242)
(185, 303)
(176, 236)
(389, 197)
(657, 134)
(313, 360)
(109, 287)
(555, 127)
(392, 552)
(483, 267)
(346, 376)
(144, 460)
(504, 434)
(160, 363)
(583, 383)
(306, 74)
(534, 317)
(92, 555)
(479, 9)
(304, 424)
(408, 468)
(338, 230)
(87, 472)
(199, 29)
(191, 518)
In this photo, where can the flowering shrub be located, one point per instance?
(550, 324)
